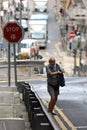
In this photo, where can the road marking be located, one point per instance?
(61, 125)
(65, 119)
(60, 122)
(80, 127)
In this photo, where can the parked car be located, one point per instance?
(27, 49)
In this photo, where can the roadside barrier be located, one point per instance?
(37, 117)
(24, 69)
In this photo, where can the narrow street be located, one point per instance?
(72, 101)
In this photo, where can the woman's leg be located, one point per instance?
(52, 103)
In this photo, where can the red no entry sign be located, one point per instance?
(13, 32)
(72, 34)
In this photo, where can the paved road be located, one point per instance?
(72, 100)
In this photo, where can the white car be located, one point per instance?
(27, 49)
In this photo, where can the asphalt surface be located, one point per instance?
(72, 101)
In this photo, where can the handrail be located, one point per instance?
(20, 63)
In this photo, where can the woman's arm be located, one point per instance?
(54, 73)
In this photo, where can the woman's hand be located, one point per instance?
(59, 72)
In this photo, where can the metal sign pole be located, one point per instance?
(15, 67)
(13, 33)
(9, 68)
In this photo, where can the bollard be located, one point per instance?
(46, 126)
(36, 112)
(41, 122)
(25, 97)
(20, 89)
(23, 86)
(19, 86)
(33, 103)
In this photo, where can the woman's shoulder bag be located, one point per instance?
(61, 79)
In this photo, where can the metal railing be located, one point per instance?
(37, 113)
(25, 69)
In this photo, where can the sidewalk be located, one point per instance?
(12, 110)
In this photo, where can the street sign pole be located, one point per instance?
(13, 32)
(15, 67)
(9, 66)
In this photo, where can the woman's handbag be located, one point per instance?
(61, 79)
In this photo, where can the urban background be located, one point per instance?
(72, 45)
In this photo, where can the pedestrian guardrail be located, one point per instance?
(82, 70)
(37, 113)
(24, 68)
(20, 63)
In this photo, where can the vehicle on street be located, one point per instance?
(39, 16)
(27, 49)
(38, 28)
